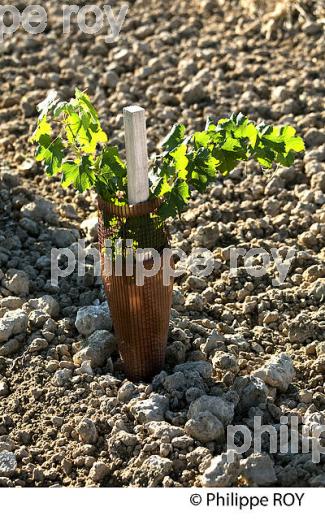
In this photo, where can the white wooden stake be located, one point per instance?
(136, 154)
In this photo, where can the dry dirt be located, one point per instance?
(62, 425)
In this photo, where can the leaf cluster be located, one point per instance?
(81, 154)
(73, 150)
(192, 162)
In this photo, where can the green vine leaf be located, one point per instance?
(174, 138)
(79, 150)
(51, 153)
(43, 128)
(180, 160)
(70, 172)
(295, 144)
(48, 104)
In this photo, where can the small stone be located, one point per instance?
(193, 393)
(314, 272)
(152, 409)
(317, 182)
(203, 368)
(305, 396)
(165, 449)
(312, 28)
(193, 93)
(145, 72)
(85, 368)
(300, 328)
(17, 282)
(49, 336)
(28, 165)
(64, 237)
(319, 364)
(225, 361)
(280, 94)
(99, 471)
(319, 197)
(307, 239)
(214, 341)
(158, 429)
(57, 421)
(182, 442)
(314, 137)
(220, 408)
(205, 427)
(8, 463)
(278, 372)
(128, 439)
(38, 344)
(62, 377)
(38, 475)
(223, 470)
(11, 303)
(179, 334)
(30, 226)
(92, 318)
(258, 470)
(45, 303)
(87, 431)
(317, 290)
(187, 66)
(194, 302)
(274, 186)
(67, 466)
(28, 107)
(4, 389)
(178, 298)
(13, 322)
(10, 101)
(40, 210)
(68, 211)
(101, 344)
(252, 392)
(10, 347)
(175, 353)
(195, 283)
(37, 319)
(271, 317)
(110, 79)
(126, 392)
(156, 468)
(207, 236)
(43, 262)
(52, 366)
(9, 177)
(7, 445)
(175, 383)
(314, 423)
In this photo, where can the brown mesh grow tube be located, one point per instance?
(140, 314)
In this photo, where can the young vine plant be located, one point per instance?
(79, 151)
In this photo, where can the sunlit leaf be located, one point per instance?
(43, 128)
(295, 144)
(70, 172)
(48, 104)
(202, 138)
(174, 138)
(181, 161)
(53, 161)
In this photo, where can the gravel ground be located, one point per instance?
(239, 346)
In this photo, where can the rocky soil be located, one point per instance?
(239, 346)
